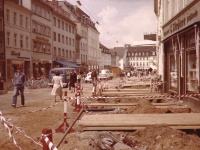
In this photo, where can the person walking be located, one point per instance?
(94, 82)
(72, 80)
(79, 77)
(57, 85)
(18, 81)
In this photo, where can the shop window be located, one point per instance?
(173, 73)
(192, 72)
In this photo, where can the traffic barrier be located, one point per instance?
(10, 128)
(77, 95)
(47, 140)
(64, 125)
(157, 96)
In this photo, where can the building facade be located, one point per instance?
(64, 36)
(105, 58)
(17, 38)
(141, 57)
(180, 43)
(2, 42)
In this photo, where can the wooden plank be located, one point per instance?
(132, 128)
(140, 120)
(130, 104)
(130, 90)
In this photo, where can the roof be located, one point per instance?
(119, 50)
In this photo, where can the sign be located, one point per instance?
(186, 19)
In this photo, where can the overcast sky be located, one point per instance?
(120, 21)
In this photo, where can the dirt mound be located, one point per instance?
(164, 138)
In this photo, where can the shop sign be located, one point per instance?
(180, 23)
(42, 39)
(13, 53)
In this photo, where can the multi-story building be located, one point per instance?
(93, 45)
(64, 36)
(105, 57)
(120, 52)
(17, 37)
(41, 38)
(141, 57)
(78, 16)
(179, 24)
(2, 41)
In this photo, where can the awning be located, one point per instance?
(67, 63)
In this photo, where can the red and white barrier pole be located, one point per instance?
(77, 95)
(64, 125)
(46, 133)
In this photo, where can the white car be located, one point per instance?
(88, 77)
(105, 74)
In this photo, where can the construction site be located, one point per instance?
(124, 115)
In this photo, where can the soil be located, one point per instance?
(41, 112)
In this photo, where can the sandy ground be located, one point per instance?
(41, 112)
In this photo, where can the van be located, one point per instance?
(64, 72)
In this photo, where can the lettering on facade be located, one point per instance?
(13, 53)
(192, 15)
(42, 39)
(180, 23)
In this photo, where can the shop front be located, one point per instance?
(181, 50)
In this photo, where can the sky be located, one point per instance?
(120, 21)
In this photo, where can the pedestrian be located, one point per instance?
(79, 77)
(94, 82)
(18, 81)
(153, 80)
(72, 80)
(57, 85)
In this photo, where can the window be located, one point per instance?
(173, 73)
(21, 41)
(69, 28)
(63, 40)
(27, 42)
(58, 37)
(8, 15)
(59, 52)
(63, 25)
(54, 21)
(58, 23)
(1, 24)
(192, 72)
(66, 53)
(1, 46)
(66, 26)
(70, 41)
(70, 54)
(54, 51)
(21, 20)
(8, 38)
(26, 25)
(54, 36)
(63, 53)
(73, 43)
(15, 40)
(66, 40)
(73, 30)
(15, 18)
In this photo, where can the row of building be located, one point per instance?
(40, 35)
(178, 47)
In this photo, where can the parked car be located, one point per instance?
(64, 72)
(88, 77)
(105, 74)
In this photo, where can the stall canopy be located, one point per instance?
(67, 63)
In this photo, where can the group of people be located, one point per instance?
(20, 79)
